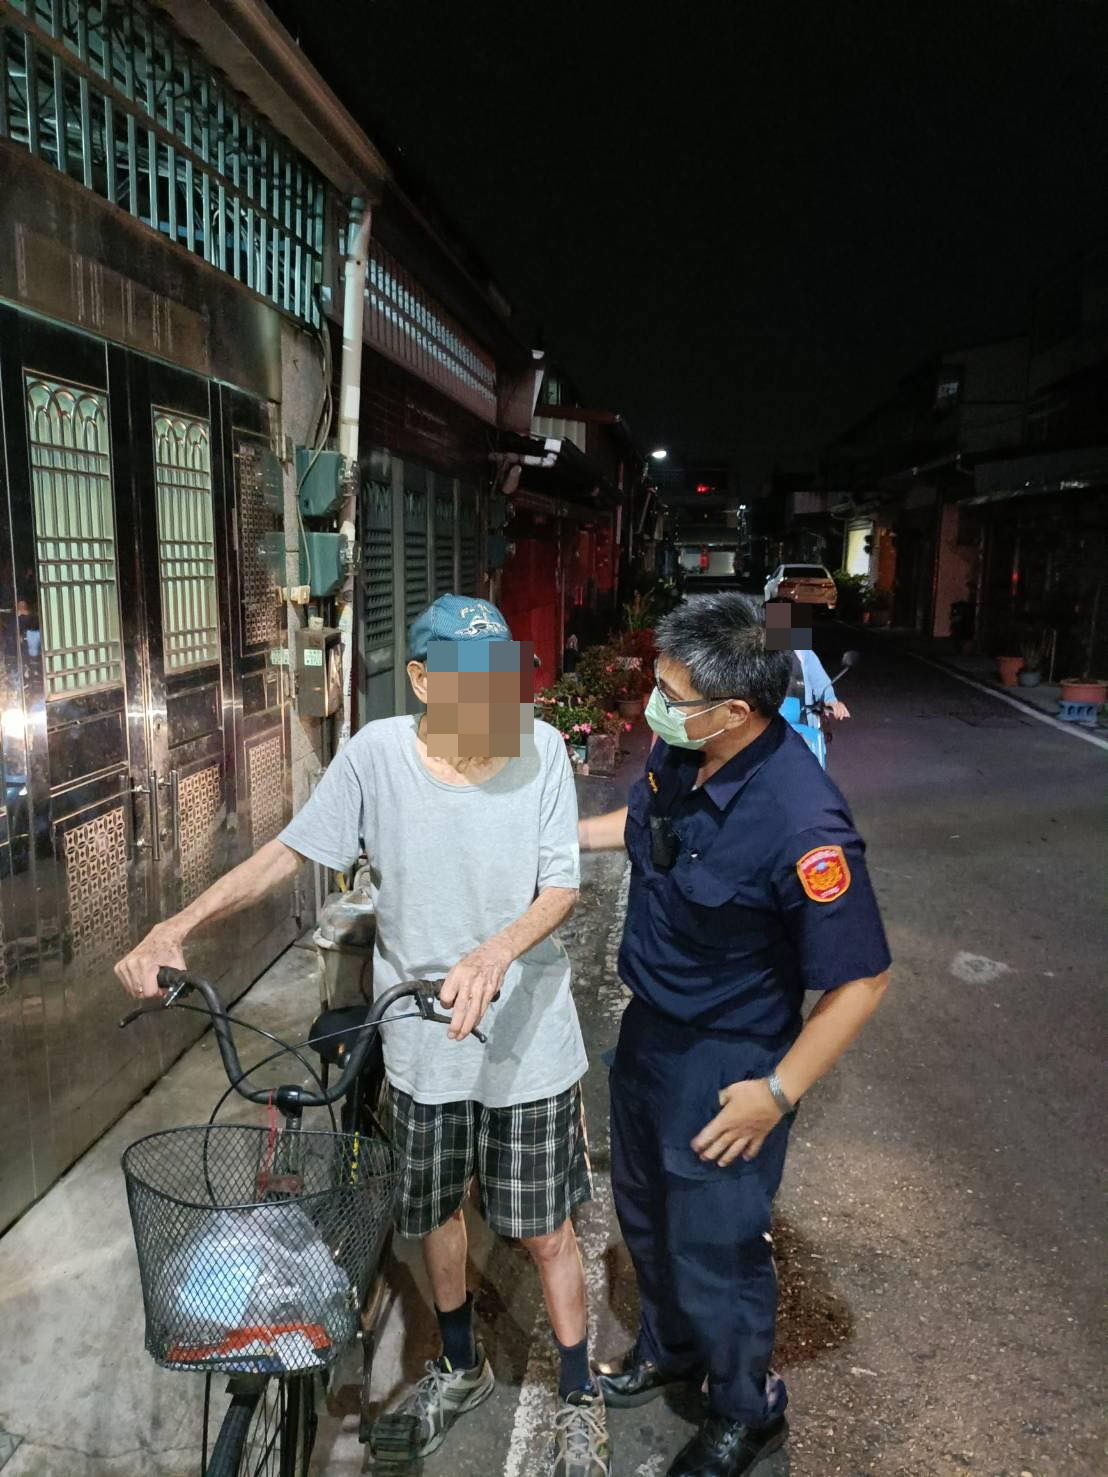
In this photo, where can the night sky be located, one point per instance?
(740, 223)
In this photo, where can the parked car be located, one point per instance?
(806, 584)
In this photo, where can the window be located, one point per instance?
(74, 522)
(805, 572)
(186, 540)
(140, 118)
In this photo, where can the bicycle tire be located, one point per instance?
(283, 1447)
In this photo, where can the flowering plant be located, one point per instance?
(575, 716)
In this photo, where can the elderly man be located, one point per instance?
(468, 816)
(748, 887)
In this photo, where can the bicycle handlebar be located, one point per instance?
(179, 983)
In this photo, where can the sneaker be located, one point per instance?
(442, 1395)
(581, 1444)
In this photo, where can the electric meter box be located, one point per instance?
(319, 672)
(319, 481)
(322, 563)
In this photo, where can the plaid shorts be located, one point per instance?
(531, 1162)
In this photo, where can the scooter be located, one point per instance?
(813, 721)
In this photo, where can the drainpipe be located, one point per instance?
(350, 394)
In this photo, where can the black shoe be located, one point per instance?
(633, 1381)
(723, 1448)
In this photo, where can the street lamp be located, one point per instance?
(659, 454)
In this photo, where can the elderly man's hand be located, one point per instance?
(137, 971)
(748, 1114)
(839, 711)
(471, 985)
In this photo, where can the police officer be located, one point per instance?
(748, 887)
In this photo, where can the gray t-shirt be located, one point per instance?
(452, 865)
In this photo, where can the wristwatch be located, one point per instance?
(773, 1082)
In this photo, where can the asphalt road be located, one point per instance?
(938, 1233)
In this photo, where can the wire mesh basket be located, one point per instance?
(256, 1248)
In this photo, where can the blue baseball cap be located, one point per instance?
(455, 618)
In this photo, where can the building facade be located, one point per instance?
(188, 220)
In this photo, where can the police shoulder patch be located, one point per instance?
(824, 873)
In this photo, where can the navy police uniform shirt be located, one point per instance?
(767, 895)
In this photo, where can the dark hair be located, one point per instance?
(720, 640)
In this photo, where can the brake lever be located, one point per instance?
(426, 1001)
(170, 998)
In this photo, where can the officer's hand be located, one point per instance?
(471, 985)
(137, 971)
(840, 710)
(748, 1114)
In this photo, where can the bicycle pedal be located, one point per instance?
(394, 1445)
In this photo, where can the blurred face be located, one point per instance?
(787, 627)
(478, 696)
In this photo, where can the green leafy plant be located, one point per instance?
(855, 594)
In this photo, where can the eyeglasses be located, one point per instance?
(681, 703)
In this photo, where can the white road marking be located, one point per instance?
(975, 969)
(1074, 730)
(534, 1417)
(652, 1467)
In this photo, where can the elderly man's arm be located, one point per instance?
(603, 832)
(474, 980)
(246, 884)
(749, 1110)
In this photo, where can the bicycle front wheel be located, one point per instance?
(268, 1430)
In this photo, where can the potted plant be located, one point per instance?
(1088, 689)
(1032, 652)
(574, 716)
(1008, 664)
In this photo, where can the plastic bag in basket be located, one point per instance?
(262, 1269)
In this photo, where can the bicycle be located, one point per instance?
(222, 1213)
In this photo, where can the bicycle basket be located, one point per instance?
(255, 1251)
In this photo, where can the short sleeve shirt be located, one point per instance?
(768, 894)
(451, 865)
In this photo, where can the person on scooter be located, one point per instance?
(818, 687)
(809, 680)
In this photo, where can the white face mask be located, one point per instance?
(670, 727)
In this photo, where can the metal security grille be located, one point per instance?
(95, 856)
(266, 773)
(415, 555)
(444, 543)
(260, 540)
(186, 540)
(74, 520)
(200, 808)
(377, 576)
(468, 537)
(109, 94)
(411, 328)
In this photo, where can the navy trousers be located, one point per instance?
(698, 1235)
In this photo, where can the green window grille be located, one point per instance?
(377, 567)
(110, 95)
(468, 543)
(444, 543)
(415, 555)
(186, 540)
(403, 321)
(75, 539)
